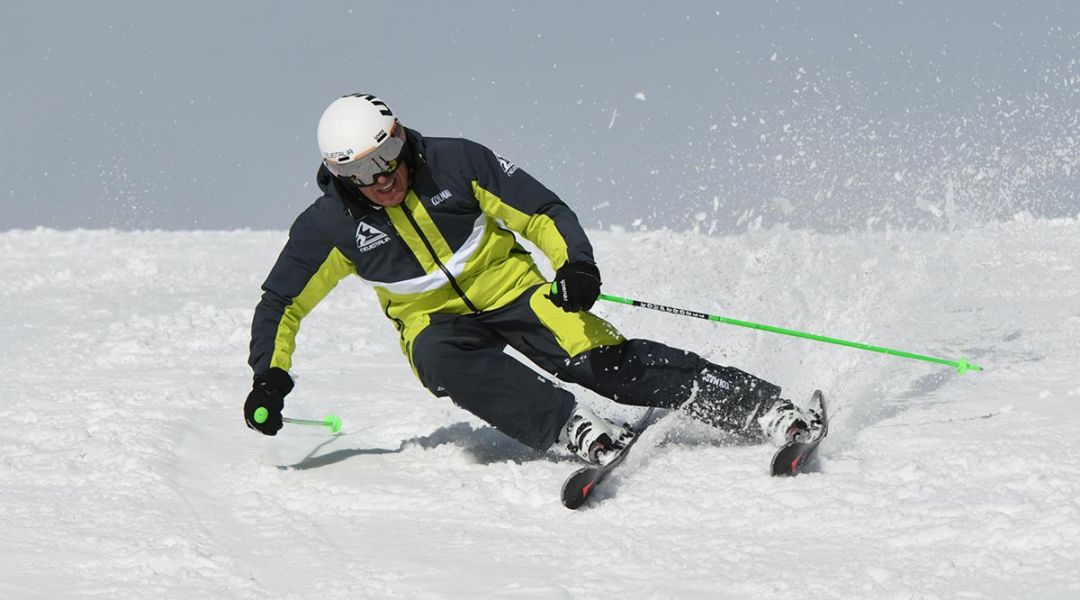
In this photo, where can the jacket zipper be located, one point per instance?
(435, 257)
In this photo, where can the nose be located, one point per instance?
(383, 178)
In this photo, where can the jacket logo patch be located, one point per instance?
(507, 165)
(441, 197)
(369, 238)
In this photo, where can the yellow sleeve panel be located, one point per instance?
(335, 268)
(538, 229)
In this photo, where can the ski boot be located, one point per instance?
(592, 438)
(784, 422)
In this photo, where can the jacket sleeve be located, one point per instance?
(523, 204)
(306, 270)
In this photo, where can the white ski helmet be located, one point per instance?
(356, 127)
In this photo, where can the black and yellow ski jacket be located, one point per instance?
(445, 249)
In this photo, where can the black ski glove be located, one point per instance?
(578, 286)
(268, 392)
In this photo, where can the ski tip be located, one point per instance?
(576, 500)
(793, 458)
(578, 487)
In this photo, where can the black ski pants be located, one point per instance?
(461, 356)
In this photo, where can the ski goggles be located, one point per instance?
(383, 160)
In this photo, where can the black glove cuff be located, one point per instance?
(275, 378)
(583, 267)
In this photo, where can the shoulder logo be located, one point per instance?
(368, 238)
(508, 166)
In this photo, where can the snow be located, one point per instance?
(127, 471)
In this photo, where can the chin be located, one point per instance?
(389, 201)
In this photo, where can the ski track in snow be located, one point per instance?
(126, 470)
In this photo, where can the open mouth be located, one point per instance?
(388, 187)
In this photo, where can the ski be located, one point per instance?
(795, 457)
(580, 485)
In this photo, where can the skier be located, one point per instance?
(427, 222)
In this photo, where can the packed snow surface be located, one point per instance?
(126, 470)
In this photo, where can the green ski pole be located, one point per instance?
(331, 421)
(962, 366)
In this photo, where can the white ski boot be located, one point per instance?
(784, 422)
(592, 438)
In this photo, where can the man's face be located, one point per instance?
(389, 190)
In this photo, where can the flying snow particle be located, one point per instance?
(640, 96)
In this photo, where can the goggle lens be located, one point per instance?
(384, 160)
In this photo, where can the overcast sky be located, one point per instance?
(717, 116)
